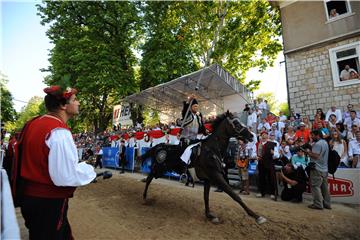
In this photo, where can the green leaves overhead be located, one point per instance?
(100, 43)
(184, 36)
(93, 42)
(8, 113)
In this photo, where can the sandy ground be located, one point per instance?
(114, 209)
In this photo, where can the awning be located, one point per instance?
(215, 84)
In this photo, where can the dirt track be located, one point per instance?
(113, 209)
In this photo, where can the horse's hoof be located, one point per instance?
(215, 220)
(261, 220)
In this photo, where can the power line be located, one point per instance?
(16, 100)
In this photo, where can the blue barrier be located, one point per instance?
(145, 167)
(110, 157)
(252, 168)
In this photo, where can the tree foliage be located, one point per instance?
(183, 36)
(271, 100)
(8, 113)
(166, 53)
(34, 107)
(93, 45)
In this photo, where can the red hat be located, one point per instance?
(263, 133)
(59, 93)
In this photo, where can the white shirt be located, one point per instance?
(64, 166)
(252, 146)
(283, 118)
(349, 122)
(251, 119)
(266, 125)
(345, 74)
(276, 149)
(263, 106)
(285, 151)
(280, 126)
(354, 148)
(337, 113)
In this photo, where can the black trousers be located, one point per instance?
(267, 179)
(98, 161)
(122, 163)
(293, 193)
(46, 218)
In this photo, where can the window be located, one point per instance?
(337, 9)
(345, 64)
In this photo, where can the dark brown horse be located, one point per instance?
(209, 165)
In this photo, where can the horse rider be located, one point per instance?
(193, 122)
(192, 125)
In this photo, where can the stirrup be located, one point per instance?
(183, 178)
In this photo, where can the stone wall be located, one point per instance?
(311, 83)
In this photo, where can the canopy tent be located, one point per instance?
(215, 84)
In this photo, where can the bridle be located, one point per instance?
(231, 121)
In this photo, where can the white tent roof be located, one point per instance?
(215, 84)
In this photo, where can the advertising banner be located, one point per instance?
(111, 157)
(345, 188)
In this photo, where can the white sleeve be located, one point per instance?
(64, 168)
(350, 151)
(276, 152)
(327, 115)
(338, 116)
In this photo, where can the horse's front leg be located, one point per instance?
(208, 214)
(218, 179)
(148, 181)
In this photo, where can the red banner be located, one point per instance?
(156, 133)
(174, 131)
(139, 135)
(339, 187)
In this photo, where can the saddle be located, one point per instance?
(195, 153)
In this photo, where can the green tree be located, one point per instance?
(8, 113)
(166, 54)
(34, 107)
(284, 107)
(271, 100)
(93, 44)
(238, 35)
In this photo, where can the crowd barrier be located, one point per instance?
(110, 158)
(345, 188)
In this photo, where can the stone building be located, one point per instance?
(320, 39)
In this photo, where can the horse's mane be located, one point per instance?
(216, 122)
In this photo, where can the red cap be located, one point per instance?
(263, 133)
(59, 93)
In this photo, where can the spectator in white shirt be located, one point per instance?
(345, 73)
(351, 134)
(354, 150)
(346, 114)
(351, 120)
(252, 119)
(276, 132)
(263, 124)
(336, 112)
(279, 124)
(283, 117)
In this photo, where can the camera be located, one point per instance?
(303, 148)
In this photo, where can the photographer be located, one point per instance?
(319, 171)
(294, 183)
